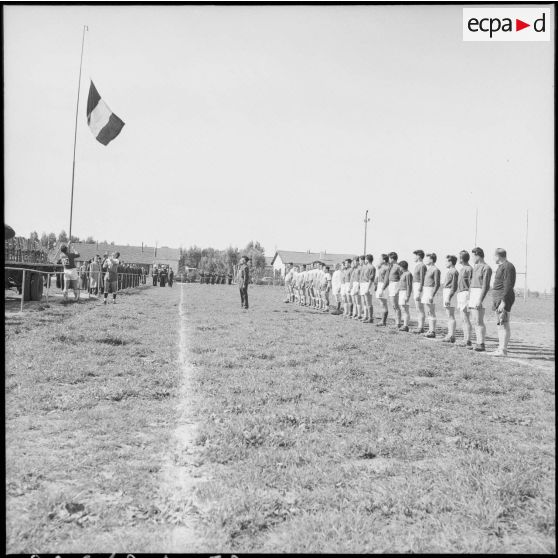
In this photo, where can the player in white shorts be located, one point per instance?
(382, 288)
(318, 286)
(336, 283)
(431, 286)
(355, 288)
(358, 296)
(394, 276)
(303, 288)
(367, 276)
(463, 287)
(346, 276)
(288, 283)
(296, 296)
(480, 285)
(405, 293)
(418, 284)
(450, 288)
(325, 287)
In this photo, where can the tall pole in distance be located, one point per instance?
(85, 28)
(476, 225)
(526, 234)
(366, 221)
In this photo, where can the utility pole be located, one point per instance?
(526, 235)
(476, 225)
(366, 221)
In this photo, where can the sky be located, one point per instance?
(282, 124)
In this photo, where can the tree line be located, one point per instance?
(49, 240)
(212, 260)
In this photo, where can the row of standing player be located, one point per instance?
(354, 283)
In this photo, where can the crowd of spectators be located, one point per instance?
(91, 276)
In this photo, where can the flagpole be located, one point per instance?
(85, 28)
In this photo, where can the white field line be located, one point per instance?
(179, 475)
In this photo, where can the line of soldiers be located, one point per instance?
(354, 284)
(215, 278)
(163, 275)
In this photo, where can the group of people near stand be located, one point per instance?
(91, 275)
(107, 275)
(163, 275)
(354, 283)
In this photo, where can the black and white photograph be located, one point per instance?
(279, 278)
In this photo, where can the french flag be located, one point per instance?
(104, 124)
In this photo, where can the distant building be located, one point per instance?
(284, 257)
(144, 256)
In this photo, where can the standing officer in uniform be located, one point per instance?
(243, 278)
(171, 276)
(155, 275)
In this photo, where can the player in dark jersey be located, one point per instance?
(405, 293)
(503, 297)
(480, 285)
(345, 288)
(382, 288)
(450, 288)
(71, 279)
(463, 288)
(367, 277)
(418, 284)
(429, 290)
(394, 275)
(354, 279)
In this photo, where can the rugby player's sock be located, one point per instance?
(507, 335)
(384, 318)
(451, 327)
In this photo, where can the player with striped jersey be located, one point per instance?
(449, 290)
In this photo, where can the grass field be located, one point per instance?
(174, 421)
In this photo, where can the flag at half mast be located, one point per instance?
(104, 124)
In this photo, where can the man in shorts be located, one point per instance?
(503, 297)
(336, 282)
(367, 276)
(110, 266)
(480, 285)
(294, 284)
(418, 284)
(71, 278)
(302, 283)
(325, 287)
(450, 288)
(463, 288)
(288, 284)
(355, 288)
(345, 288)
(394, 276)
(382, 288)
(404, 294)
(429, 290)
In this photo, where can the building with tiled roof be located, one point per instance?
(284, 257)
(144, 256)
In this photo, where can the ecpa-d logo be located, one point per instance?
(506, 24)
